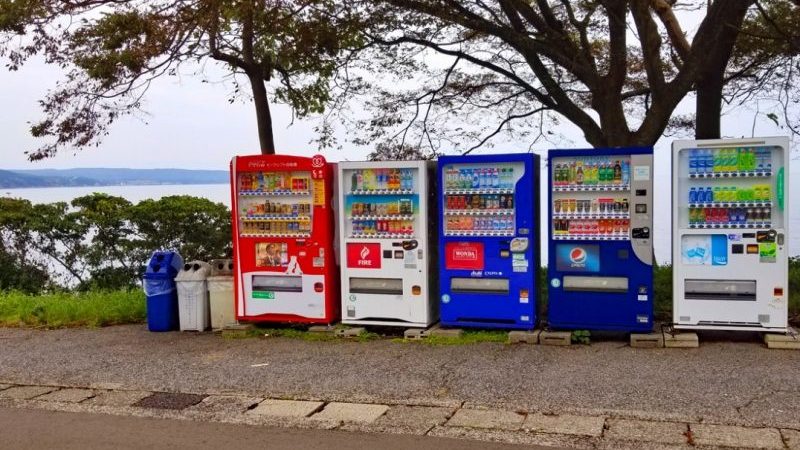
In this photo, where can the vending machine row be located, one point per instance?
(458, 240)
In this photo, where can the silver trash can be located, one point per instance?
(220, 294)
(193, 308)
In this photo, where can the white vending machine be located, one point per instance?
(387, 243)
(729, 234)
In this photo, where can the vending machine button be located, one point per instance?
(318, 287)
(416, 290)
(778, 292)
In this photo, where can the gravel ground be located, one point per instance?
(737, 382)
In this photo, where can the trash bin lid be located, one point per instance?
(220, 267)
(168, 264)
(194, 271)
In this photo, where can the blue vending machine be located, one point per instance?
(489, 240)
(600, 249)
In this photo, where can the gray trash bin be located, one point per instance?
(220, 294)
(193, 305)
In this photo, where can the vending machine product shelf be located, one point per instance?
(600, 251)
(729, 234)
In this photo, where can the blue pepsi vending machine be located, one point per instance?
(600, 249)
(489, 240)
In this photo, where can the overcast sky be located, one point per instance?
(191, 125)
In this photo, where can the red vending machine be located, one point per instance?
(283, 233)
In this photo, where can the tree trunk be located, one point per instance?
(711, 81)
(708, 110)
(263, 115)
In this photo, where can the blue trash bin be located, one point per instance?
(162, 295)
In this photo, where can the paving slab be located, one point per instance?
(404, 419)
(4, 386)
(350, 332)
(446, 332)
(286, 408)
(414, 416)
(792, 439)
(67, 395)
(415, 333)
(682, 339)
(647, 340)
(565, 424)
(25, 392)
(226, 404)
(523, 337)
(351, 412)
(789, 341)
(117, 398)
(733, 436)
(321, 329)
(559, 441)
(486, 418)
(562, 338)
(647, 431)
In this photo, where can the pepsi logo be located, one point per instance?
(577, 255)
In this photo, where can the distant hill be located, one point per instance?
(11, 179)
(109, 177)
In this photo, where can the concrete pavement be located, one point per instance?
(606, 395)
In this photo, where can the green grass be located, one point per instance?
(466, 338)
(296, 333)
(794, 290)
(64, 309)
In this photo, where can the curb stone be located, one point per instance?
(351, 412)
(641, 430)
(67, 395)
(486, 418)
(286, 408)
(733, 436)
(600, 431)
(25, 392)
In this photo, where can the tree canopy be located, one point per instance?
(422, 75)
(616, 69)
(113, 50)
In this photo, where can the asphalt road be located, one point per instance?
(732, 382)
(36, 429)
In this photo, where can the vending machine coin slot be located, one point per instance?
(641, 233)
(641, 192)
